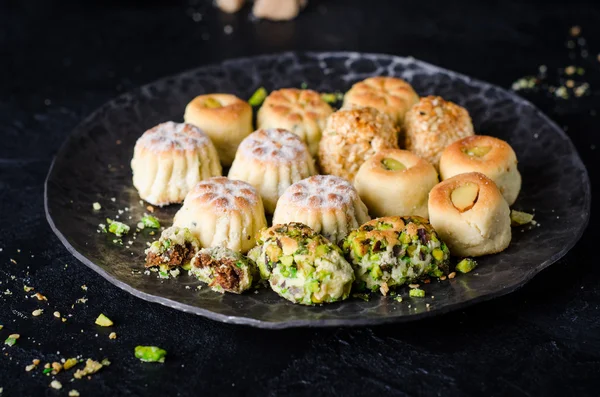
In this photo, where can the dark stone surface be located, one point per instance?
(61, 60)
(93, 166)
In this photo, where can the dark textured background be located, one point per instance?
(60, 60)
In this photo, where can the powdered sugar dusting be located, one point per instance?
(274, 145)
(173, 136)
(223, 193)
(321, 191)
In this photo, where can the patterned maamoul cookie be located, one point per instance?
(327, 204)
(271, 160)
(491, 156)
(223, 212)
(396, 182)
(433, 124)
(225, 118)
(351, 136)
(168, 161)
(301, 112)
(470, 215)
(389, 95)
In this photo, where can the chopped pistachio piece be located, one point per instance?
(519, 218)
(12, 339)
(103, 321)
(332, 97)
(117, 228)
(392, 164)
(466, 265)
(416, 293)
(258, 97)
(96, 206)
(212, 103)
(150, 354)
(151, 222)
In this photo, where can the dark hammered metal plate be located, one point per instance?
(93, 166)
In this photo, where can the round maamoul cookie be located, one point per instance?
(396, 182)
(327, 204)
(470, 215)
(491, 156)
(223, 212)
(301, 112)
(271, 160)
(225, 118)
(351, 136)
(169, 159)
(389, 95)
(433, 124)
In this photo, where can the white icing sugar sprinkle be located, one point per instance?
(173, 136)
(323, 191)
(273, 145)
(222, 192)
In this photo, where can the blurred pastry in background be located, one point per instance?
(389, 95)
(275, 10)
(433, 124)
(230, 6)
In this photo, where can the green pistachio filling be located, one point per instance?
(302, 266)
(466, 265)
(392, 251)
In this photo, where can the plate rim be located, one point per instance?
(319, 323)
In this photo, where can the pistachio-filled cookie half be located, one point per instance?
(224, 270)
(470, 214)
(169, 159)
(302, 266)
(302, 112)
(271, 160)
(389, 95)
(225, 118)
(396, 182)
(328, 204)
(175, 248)
(223, 212)
(433, 124)
(351, 136)
(391, 251)
(491, 156)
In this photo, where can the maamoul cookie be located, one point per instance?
(470, 215)
(271, 160)
(302, 266)
(396, 182)
(328, 204)
(491, 156)
(225, 118)
(224, 270)
(391, 251)
(351, 136)
(433, 124)
(169, 159)
(389, 95)
(301, 112)
(223, 212)
(175, 247)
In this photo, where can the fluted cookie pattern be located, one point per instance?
(301, 112)
(169, 159)
(271, 160)
(223, 212)
(328, 204)
(389, 95)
